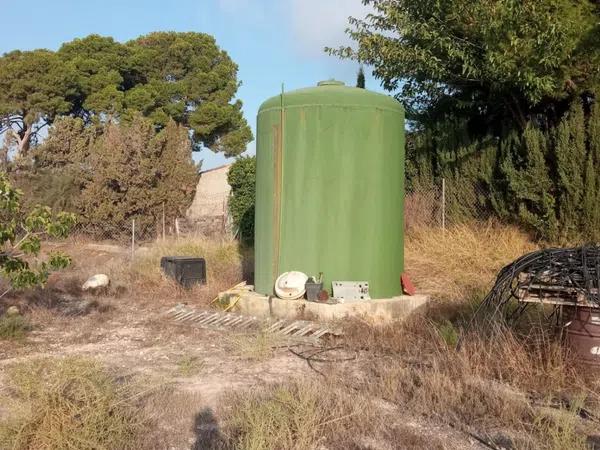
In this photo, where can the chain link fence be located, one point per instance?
(446, 203)
(441, 204)
(132, 233)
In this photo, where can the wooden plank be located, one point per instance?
(558, 301)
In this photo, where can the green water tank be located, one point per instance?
(330, 187)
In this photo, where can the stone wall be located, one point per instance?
(209, 208)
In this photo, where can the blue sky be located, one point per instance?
(272, 41)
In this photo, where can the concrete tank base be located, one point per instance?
(378, 311)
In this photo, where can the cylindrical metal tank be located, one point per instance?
(330, 187)
(583, 334)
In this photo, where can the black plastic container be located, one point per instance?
(312, 290)
(187, 271)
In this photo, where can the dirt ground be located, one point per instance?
(187, 370)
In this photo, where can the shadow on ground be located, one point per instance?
(207, 433)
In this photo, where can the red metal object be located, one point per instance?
(583, 334)
(323, 296)
(407, 286)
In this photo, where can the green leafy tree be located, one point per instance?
(242, 179)
(21, 235)
(485, 59)
(187, 78)
(502, 98)
(101, 66)
(35, 88)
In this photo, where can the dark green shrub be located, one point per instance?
(242, 179)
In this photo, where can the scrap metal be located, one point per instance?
(555, 276)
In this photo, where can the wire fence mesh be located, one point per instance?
(445, 204)
(442, 204)
(133, 232)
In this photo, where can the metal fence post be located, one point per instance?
(163, 221)
(132, 238)
(444, 204)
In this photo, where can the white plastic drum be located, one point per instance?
(291, 285)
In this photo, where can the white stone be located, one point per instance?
(97, 281)
(12, 311)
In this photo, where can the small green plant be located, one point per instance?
(13, 327)
(448, 333)
(189, 365)
(21, 235)
(70, 403)
(559, 427)
(258, 347)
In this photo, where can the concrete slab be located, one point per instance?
(376, 311)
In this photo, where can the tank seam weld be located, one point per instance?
(352, 106)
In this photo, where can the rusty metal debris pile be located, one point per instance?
(555, 276)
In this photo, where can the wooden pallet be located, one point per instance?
(549, 294)
(299, 330)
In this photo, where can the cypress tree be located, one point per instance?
(360, 78)
(570, 154)
(531, 187)
(591, 196)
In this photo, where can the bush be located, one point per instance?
(242, 179)
(21, 234)
(115, 172)
(69, 403)
(543, 177)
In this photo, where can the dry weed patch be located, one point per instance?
(69, 403)
(225, 262)
(13, 327)
(255, 346)
(500, 380)
(296, 416)
(452, 264)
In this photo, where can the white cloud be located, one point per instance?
(322, 23)
(313, 24)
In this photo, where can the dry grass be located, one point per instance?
(317, 413)
(255, 346)
(189, 365)
(69, 403)
(13, 327)
(226, 264)
(506, 385)
(500, 380)
(503, 380)
(453, 264)
(298, 416)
